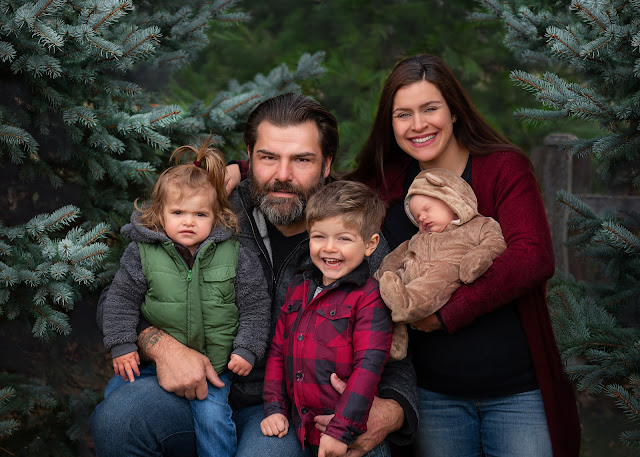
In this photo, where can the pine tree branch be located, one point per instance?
(44, 8)
(623, 402)
(241, 103)
(97, 236)
(45, 317)
(97, 253)
(111, 14)
(578, 6)
(149, 37)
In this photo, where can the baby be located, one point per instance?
(454, 245)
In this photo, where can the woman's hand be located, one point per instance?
(232, 178)
(428, 324)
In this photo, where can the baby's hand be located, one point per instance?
(239, 365)
(276, 425)
(331, 447)
(126, 365)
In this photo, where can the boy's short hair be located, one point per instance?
(357, 204)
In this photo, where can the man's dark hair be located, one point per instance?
(290, 110)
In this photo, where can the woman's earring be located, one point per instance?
(454, 118)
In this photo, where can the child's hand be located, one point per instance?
(276, 425)
(331, 447)
(239, 365)
(126, 365)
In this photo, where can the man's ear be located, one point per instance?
(371, 245)
(327, 167)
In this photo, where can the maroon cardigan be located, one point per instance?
(507, 190)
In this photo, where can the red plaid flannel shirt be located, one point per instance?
(345, 330)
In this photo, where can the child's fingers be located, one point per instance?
(283, 426)
(137, 357)
(135, 368)
(130, 372)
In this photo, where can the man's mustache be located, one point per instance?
(284, 187)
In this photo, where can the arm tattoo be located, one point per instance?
(149, 338)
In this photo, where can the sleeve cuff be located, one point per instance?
(405, 435)
(246, 354)
(122, 349)
(456, 314)
(143, 324)
(343, 430)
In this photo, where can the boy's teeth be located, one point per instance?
(423, 140)
(332, 261)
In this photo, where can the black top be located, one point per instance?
(282, 246)
(488, 358)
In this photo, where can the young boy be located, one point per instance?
(333, 321)
(454, 245)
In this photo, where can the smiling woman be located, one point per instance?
(490, 350)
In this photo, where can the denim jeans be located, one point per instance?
(513, 425)
(251, 441)
(215, 430)
(142, 419)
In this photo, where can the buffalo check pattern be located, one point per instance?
(346, 329)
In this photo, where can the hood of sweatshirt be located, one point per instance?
(139, 233)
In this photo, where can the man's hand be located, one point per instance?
(127, 365)
(386, 416)
(232, 178)
(180, 370)
(275, 425)
(428, 324)
(331, 447)
(239, 365)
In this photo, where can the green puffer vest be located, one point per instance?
(197, 307)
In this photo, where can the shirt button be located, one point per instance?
(299, 376)
(332, 312)
(289, 307)
(304, 410)
(300, 337)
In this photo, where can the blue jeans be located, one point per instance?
(513, 425)
(252, 442)
(142, 419)
(215, 430)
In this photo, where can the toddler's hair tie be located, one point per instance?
(196, 163)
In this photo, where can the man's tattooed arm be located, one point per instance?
(147, 339)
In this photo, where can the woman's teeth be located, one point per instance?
(424, 140)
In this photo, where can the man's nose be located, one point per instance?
(284, 173)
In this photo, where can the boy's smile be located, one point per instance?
(336, 249)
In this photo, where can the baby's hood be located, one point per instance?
(444, 185)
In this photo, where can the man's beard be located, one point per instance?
(282, 211)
